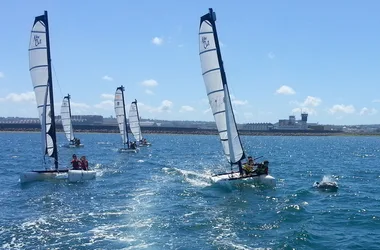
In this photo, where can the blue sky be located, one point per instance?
(280, 57)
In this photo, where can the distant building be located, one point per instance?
(257, 126)
(292, 123)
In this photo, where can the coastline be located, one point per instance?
(192, 131)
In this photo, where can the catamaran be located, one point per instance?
(40, 72)
(67, 123)
(121, 118)
(134, 121)
(219, 98)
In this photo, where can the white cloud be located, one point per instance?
(23, 97)
(107, 78)
(2, 75)
(285, 90)
(106, 105)
(107, 96)
(377, 100)
(80, 108)
(239, 102)
(206, 111)
(157, 40)
(271, 55)
(340, 108)
(310, 111)
(311, 101)
(186, 109)
(165, 106)
(181, 45)
(149, 92)
(149, 83)
(367, 111)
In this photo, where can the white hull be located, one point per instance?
(128, 150)
(70, 175)
(75, 146)
(145, 145)
(81, 175)
(43, 175)
(235, 177)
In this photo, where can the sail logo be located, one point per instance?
(205, 42)
(37, 40)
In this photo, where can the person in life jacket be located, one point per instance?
(262, 168)
(248, 166)
(75, 163)
(84, 163)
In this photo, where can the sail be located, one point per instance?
(40, 72)
(217, 90)
(66, 118)
(120, 114)
(134, 121)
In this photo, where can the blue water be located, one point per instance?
(161, 198)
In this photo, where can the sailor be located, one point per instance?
(133, 145)
(84, 163)
(248, 166)
(75, 163)
(262, 168)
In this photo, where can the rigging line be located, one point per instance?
(56, 77)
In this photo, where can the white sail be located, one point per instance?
(134, 121)
(217, 90)
(120, 114)
(66, 119)
(38, 67)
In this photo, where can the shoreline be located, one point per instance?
(197, 132)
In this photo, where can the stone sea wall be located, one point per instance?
(172, 130)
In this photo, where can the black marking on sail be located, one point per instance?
(219, 112)
(208, 50)
(210, 70)
(215, 91)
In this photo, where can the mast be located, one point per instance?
(211, 17)
(138, 118)
(52, 131)
(125, 116)
(68, 100)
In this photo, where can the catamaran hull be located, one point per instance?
(127, 150)
(81, 175)
(70, 175)
(43, 175)
(75, 146)
(236, 178)
(145, 145)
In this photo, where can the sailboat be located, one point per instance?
(219, 98)
(67, 124)
(134, 121)
(40, 72)
(121, 118)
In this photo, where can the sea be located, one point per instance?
(162, 197)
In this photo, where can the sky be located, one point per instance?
(280, 58)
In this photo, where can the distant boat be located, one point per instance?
(67, 123)
(121, 118)
(134, 121)
(219, 98)
(40, 71)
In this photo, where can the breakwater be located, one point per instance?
(169, 130)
